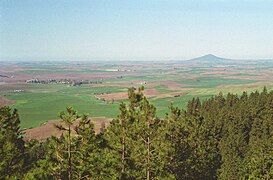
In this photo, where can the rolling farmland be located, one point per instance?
(60, 84)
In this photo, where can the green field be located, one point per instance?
(209, 82)
(44, 102)
(38, 103)
(38, 106)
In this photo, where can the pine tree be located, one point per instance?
(120, 142)
(119, 136)
(86, 150)
(11, 144)
(68, 118)
(74, 155)
(150, 148)
(258, 163)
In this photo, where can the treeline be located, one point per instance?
(224, 137)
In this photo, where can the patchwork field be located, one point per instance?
(48, 129)
(98, 88)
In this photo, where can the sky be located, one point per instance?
(99, 30)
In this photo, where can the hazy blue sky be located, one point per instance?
(135, 30)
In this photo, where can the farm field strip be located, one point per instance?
(38, 106)
(165, 84)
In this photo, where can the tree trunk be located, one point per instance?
(148, 153)
(148, 158)
(69, 153)
(123, 150)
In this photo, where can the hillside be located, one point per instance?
(209, 60)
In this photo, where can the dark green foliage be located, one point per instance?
(11, 144)
(150, 150)
(137, 140)
(194, 147)
(120, 143)
(243, 132)
(224, 137)
(73, 155)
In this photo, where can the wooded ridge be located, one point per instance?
(223, 137)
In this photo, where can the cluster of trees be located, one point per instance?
(224, 137)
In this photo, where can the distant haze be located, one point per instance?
(101, 30)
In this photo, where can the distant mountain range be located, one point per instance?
(209, 59)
